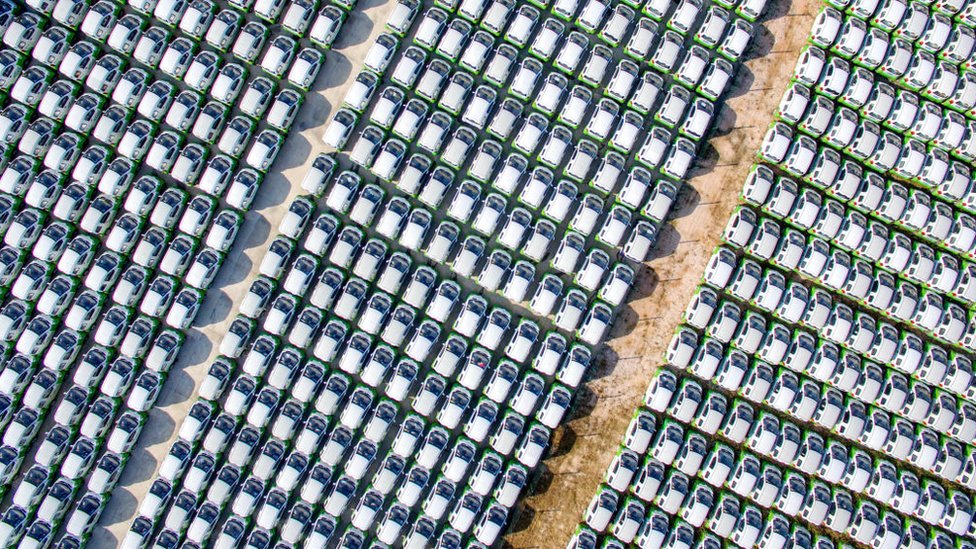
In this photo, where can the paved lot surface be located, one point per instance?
(261, 224)
(583, 448)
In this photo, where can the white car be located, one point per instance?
(319, 174)
(264, 150)
(361, 91)
(381, 53)
(243, 189)
(278, 56)
(222, 29)
(136, 140)
(340, 128)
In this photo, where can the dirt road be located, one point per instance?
(583, 448)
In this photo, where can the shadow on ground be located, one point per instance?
(358, 27)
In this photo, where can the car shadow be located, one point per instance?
(357, 27)
(257, 234)
(101, 537)
(741, 85)
(523, 517)
(762, 39)
(336, 72)
(624, 323)
(179, 386)
(294, 154)
(586, 399)
(216, 306)
(275, 188)
(706, 161)
(685, 204)
(563, 440)
(666, 243)
(316, 113)
(777, 9)
(140, 468)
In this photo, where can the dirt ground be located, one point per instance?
(582, 449)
